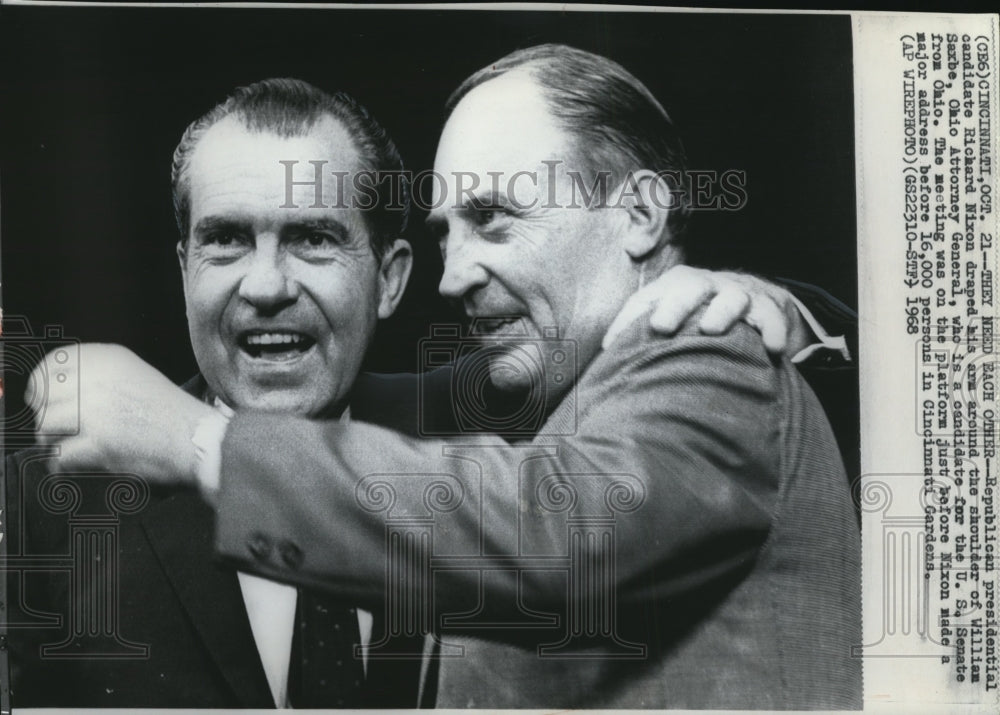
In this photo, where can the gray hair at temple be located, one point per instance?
(290, 108)
(618, 124)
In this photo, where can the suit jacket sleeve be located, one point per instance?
(689, 429)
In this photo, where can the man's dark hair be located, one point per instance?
(618, 124)
(290, 108)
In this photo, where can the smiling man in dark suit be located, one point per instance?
(281, 305)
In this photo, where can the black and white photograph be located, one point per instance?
(494, 358)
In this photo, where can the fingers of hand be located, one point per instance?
(635, 306)
(681, 291)
(770, 321)
(79, 453)
(53, 394)
(728, 306)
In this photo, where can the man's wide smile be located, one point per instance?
(509, 326)
(275, 345)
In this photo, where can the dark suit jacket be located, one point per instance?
(739, 572)
(834, 380)
(174, 600)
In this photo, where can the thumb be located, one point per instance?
(76, 454)
(638, 303)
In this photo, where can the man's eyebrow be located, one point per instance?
(484, 199)
(319, 224)
(437, 225)
(214, 223)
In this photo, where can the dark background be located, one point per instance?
(94, 101)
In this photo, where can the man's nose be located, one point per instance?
(267, 285)
(463, 273)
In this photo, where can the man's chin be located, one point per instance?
(515, 368)
(302, 402)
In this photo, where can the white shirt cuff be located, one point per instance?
(827, 341)
(207, 440)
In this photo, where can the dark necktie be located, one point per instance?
(323, 672)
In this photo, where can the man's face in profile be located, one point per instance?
(519, 257)
(281, 302)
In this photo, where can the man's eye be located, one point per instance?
(488, 215)
(492, 221)
(316, 239)
(315, 244)
(222, 239)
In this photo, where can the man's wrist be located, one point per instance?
(207, 438)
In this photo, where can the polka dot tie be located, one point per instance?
(323, 672)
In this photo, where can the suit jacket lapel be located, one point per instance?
(180, 530)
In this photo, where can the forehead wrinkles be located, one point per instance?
(232, 162)
(238, 176)
(230, 146)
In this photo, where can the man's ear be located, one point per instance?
(394, 272)
(647, 199)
